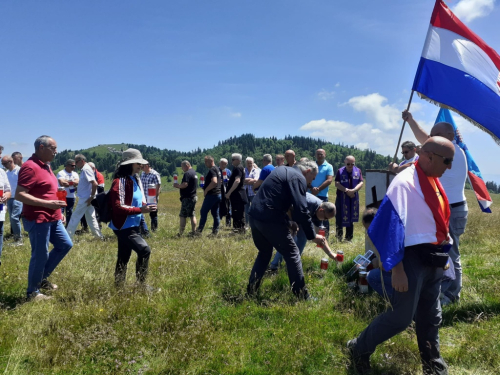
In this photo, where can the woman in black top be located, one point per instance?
(236, 193)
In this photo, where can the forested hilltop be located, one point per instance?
(166, 161)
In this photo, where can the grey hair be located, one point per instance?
(267, 158)
(69, 161)
(80, 157)
(185, 162)
(42, 140)
(328, 207)
(249, 158)
(236, 156)
(224, 160)
(305, 164)
(92, 165)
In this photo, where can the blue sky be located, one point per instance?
(186, 74)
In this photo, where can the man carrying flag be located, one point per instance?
(453, 181)
(410, 233)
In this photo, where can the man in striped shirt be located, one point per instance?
(150, 177)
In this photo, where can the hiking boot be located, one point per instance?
(360, 363)
(47, 285)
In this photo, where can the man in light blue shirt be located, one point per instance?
(320, 185)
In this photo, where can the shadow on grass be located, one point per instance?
(10, 301)
(469, 313)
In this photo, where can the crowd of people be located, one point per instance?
(283, 206)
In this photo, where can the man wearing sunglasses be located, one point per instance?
(453, 181)
(409, 152)
(68, 179)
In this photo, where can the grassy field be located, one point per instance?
(202, 323)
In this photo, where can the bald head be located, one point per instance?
(290, 157)
(443, 129)
(8, 163)
(349, 163)
(436, 156)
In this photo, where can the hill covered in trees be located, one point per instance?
(166, 161)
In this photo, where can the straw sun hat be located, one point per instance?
(131, 156)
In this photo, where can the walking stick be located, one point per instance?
(402, 130)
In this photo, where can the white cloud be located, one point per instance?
(326, 95)
(383, 115)
(380, 133)
(468, 10)
(235, 114)
(337, 84)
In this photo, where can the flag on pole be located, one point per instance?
(459, 71)
(473, 172)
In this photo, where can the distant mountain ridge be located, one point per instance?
(166, 161)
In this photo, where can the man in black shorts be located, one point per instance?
(187, 188)
(211, 191)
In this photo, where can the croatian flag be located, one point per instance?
(404, 218)
(459, 71)
(475, 177)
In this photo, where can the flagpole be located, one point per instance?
(402, 129)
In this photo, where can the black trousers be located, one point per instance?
(349, 231)
(420, 302)
(130, 239)
(267, 236)
(238, 210)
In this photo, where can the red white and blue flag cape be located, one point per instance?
(459, 71)
(475, 177)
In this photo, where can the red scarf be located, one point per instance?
(442, 218)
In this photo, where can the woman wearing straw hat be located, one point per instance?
(128, 204)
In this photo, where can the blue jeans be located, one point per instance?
(42, 262)
(300, 240)
(247, 208)
(15, 208)
(375, 281)
(210, 204)
(325, 223)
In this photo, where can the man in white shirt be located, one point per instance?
(87, 188)
(409, 151)
(14, 207)
(68, 179)
(453, 181)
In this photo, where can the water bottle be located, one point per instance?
(202, 182)
(175, 179)
(151, 198)
(224, 175)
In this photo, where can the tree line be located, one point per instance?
(167, 161)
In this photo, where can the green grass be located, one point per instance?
(201, 323)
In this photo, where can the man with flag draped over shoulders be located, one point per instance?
(410, 233)
(453, 181)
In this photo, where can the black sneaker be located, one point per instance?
(360, 363)
(47, 285)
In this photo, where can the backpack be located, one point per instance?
(102, 205)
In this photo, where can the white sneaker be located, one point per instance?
(40, 297)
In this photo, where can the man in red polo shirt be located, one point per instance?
(43, 220)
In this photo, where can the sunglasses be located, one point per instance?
(349, 164)
(405, 152)
(446, 161)
(72, 165)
